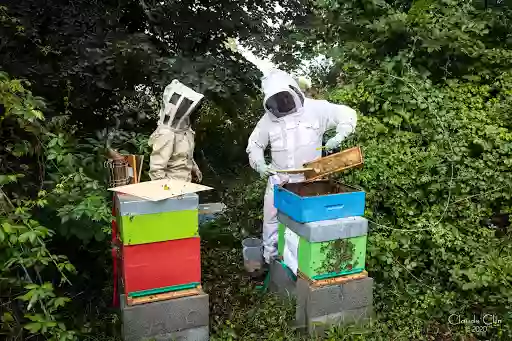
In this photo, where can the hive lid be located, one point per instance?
(337, 162)
(160, 189)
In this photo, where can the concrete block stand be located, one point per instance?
(318, 308)
(192, 334)
(282, 281)
(179, 319)
(317, 326)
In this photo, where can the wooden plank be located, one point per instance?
(133, 164)
(165, 296)
(160, 189)
(140, 164)
(334, 280)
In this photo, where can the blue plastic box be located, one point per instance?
(306, 202)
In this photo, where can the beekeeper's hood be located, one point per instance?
(282, 94)
(179, 102)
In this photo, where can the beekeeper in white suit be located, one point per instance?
(294, 127)
(173, 140)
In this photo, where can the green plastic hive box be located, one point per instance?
(327, 259)
(141, 221)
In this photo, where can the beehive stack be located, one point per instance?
(322, 238)
(161, 267)
(328, 248)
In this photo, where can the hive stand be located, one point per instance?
(321, 304)
(183, 319)
(282, 280)
(161, 295)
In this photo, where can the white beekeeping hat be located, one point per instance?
(179, 101)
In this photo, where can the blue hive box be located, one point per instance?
(307, 202)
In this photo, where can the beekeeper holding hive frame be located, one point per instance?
(293, 126)
(173, 140)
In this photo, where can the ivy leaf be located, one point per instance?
(7, 317)
(33, 327)
(60, 302)
(30, 235)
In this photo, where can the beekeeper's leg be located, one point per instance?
(181, 163)
(269, 224)
(162, 142)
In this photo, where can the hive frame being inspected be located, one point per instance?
(338, 162)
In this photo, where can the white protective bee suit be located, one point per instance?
(173, 140)
(294, 127)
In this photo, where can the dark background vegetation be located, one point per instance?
(431, 81)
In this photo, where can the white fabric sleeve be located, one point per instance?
(258, 142)
(339, 117)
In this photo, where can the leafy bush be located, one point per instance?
(432, 83)
(436, 166)
(29, 270)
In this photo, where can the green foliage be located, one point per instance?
(238, 311)
(221, 136)
(90, 60)
(432, 83)
(24, 254)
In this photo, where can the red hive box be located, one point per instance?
(162, 266)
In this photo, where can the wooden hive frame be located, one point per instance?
(334, 163)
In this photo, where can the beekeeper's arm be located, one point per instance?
(162, 141)
(196, 171)
(339, 117)
(258, 142)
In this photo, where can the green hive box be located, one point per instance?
(327, 259)
(142, 221)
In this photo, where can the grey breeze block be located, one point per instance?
(344, 299)
(360, 316)
(281, 281)
(192, 334)
(158, 319)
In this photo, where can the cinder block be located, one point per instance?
(281, 280)
(334, 304)
(302, 291)
(358, 293)
(193, 334)
(146, 321)
(360, 316)
(332, 299)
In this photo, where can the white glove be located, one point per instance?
(264, 170)
(333, 143)
(196, 172)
